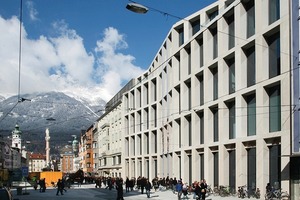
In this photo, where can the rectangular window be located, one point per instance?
(232, 124)
(188, 51)
(147, 144)
(232, 169)
(189, 90)
(179, 165)
(155, 143)
(215, 124)
(201, 90)
(195, 26)
(231, 34)
(201, 166)
(251, 115)
(155, 168)
(213, 14)
(181, 36)
(250, 53)
(201, 117)
(179, 132)
(190, 169)
(214, 34)
(216, 168)
(189, 126)
(274, 109)
(250, 9)
(274, 10)
(274, 164)
(119, 159)
(251, 168)
(201, 52)
(231, 75)
(274, 55)
(214, 72)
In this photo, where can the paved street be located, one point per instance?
(90, 192)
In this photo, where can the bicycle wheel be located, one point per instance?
(268, 196)
(285, 196)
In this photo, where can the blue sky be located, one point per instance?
(82, 46)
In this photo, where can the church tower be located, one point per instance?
(16, 138)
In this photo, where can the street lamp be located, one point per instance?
(137, 8)
(141, 9)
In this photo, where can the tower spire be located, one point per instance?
(16, 138)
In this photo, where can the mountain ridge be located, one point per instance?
(62, 114)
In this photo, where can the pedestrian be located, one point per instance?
(127, 184)
(185, 190)
(203, 187)
(174, 183)
(63, 185)
(59, 187)
(148, 187)
(179, 189)
(197, 190)
(143, 183)
(119, 187)
(42, 183)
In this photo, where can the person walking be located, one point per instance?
(148, 187)
(119, 187)
(127, 184)
(203, 187)
(174, 183)
(197, 190)
(143, 183)
(179, 189)
(59, 188)
(63, 185)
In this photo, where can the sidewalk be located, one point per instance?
(169, 195)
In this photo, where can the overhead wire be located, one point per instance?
(149, 72)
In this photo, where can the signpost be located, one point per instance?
(25, 171)
(25, 175)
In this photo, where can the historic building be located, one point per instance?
(67, 163)
(86, 151)
(37, 162)
(108, 134)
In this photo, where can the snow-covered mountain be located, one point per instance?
(64, 115)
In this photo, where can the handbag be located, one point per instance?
(203, 190)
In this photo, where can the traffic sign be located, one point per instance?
(24, 171)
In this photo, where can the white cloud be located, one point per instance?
(62, 63)
(32, 11)
(114, 67)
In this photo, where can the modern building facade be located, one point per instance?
(220, 99)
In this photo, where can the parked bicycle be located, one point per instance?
(276, 193)
(256, 193)
(243, 192)
(209, 191)
(224, 191)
